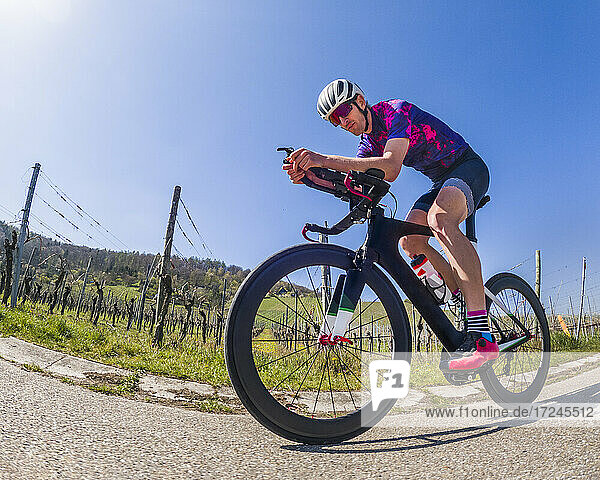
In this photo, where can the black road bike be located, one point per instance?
(305, 384)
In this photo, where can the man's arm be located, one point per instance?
(390, 162)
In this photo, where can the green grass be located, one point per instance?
(561, 342)
(213, 405)
(127, 386)
(195, 361)
(32, 367)
(119, 291)
(131, 349)
(105, 389)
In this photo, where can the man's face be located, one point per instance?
(355, 122)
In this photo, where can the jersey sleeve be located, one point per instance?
(365, 149)
(399, 126)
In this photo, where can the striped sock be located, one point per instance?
(477, 321)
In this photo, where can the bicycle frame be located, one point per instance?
(381, 246)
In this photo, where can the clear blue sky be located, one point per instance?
(120, 101)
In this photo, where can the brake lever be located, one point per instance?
(322, 182)
(288, 150)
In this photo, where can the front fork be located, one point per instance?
(341, 309)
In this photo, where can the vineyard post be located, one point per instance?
(573, 315)
(222, 318)
(295, 320)
(582, 294)
(62, 287)
(591, 320)
(22, 235)
(552, 310)
(164, 267)
(85, 277)
(360, 325)
(288, 337)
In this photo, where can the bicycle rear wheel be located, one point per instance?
(520, 372)
(294, 386)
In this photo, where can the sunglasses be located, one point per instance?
(340, 112)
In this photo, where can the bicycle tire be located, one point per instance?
(534, 318)
(246, 381)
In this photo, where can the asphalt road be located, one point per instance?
(50, 429)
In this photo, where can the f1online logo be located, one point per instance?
(389, 379)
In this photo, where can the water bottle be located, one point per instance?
(432, 279)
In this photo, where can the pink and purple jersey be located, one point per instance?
(433, 145)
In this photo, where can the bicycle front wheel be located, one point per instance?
(516, 318)
(293, 385)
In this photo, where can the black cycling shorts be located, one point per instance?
(470, 175)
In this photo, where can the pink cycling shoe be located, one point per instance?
(474, 352)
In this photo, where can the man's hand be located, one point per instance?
(301, 160)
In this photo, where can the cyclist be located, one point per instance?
(394, 133)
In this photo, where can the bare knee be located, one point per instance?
(448, 210)
(441, 222)
(413, 245)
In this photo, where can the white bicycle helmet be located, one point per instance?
(336, 93)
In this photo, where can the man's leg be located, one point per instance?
(447, 212)
(416, 244)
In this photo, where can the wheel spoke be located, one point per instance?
(361, 312)
(282, 324)
(330, 388)
(304, 363)
(285, 356)
(280, 341)
(346, 378)
(288, 306)
(519, 368)
(362, 361)
(304, 378)
(357, 349)
(317, 298)
(299, 299)
(320, 383)
(366, 324)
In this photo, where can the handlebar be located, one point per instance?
(363, 191)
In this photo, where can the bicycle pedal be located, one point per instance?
(460, 377)
(454, 377)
